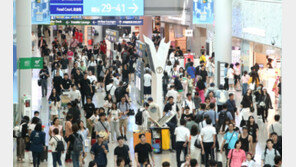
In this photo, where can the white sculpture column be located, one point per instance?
(159, 58)
(24, 49)
(223, 31)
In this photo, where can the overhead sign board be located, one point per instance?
(100, 22)
(97, 7)
(203, 11)
(40, 12)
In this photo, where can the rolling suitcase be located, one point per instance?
(44, 155)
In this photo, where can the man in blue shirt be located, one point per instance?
(212, 113)
(231, 106)
(229, 138)
(99, 151)
(191, 70)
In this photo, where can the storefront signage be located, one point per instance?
(188, 33)
(40, 12)
(97, 7)
(203, 12)
(30, 63)
(113, 7)
(112, 35)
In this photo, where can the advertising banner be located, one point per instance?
(203, 11)
(40, 12)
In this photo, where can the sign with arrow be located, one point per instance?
(99, 22)
(113, 7)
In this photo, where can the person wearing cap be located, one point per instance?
(99, 151)
(123, 151)
(153, 110)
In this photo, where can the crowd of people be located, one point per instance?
(205, 115)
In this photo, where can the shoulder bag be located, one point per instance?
(197, 143)
(226, 145)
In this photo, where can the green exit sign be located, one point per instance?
(30, 63)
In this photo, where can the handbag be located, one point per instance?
(226, 145)
(39, 82)
(243, 122)
(197, 144)
(252, 86)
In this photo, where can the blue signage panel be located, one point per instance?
(40, 12)
(130, 22)
(203, 11)
(66, 1)
(66, 9)
(65, 17)
(113, 7)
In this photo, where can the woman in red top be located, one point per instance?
(236, 156)
(103, 47)
(80, 37)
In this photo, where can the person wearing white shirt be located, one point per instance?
(116, 80)
(172, 92)
(92, 63)
(75, 94)
(147, 84)
(110, 88)
(230, 76)
(53, 142)
(208, 138)
(276, 127)
(93, 81)
(182, 139)
(189, 102)
(114, 117)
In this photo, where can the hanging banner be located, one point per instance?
(203, 11)
(40, 12)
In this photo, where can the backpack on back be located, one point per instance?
(60, 145)
(200, 117)
(222, 117)
(77, 146)
(139, 117)
(222, 98)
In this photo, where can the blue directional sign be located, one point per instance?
(130, 22)
(66, 9)
(203, 11)
(113, 7)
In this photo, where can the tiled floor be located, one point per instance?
(41, 104)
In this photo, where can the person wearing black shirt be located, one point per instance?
(70, 144)
(125, 74)
(204, 74)
(172, 108)
(179, 51)
(277, 143)
(78, 77)
(74, 111)
(43, 75)
(85, 88)
(74, 69)
(64, 63)
(122, 151)
(142, 151)
(66, 82)
(57, 82)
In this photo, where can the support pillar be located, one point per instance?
(99, 38)
(223, 31)
(24, 50)
(146, 28)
